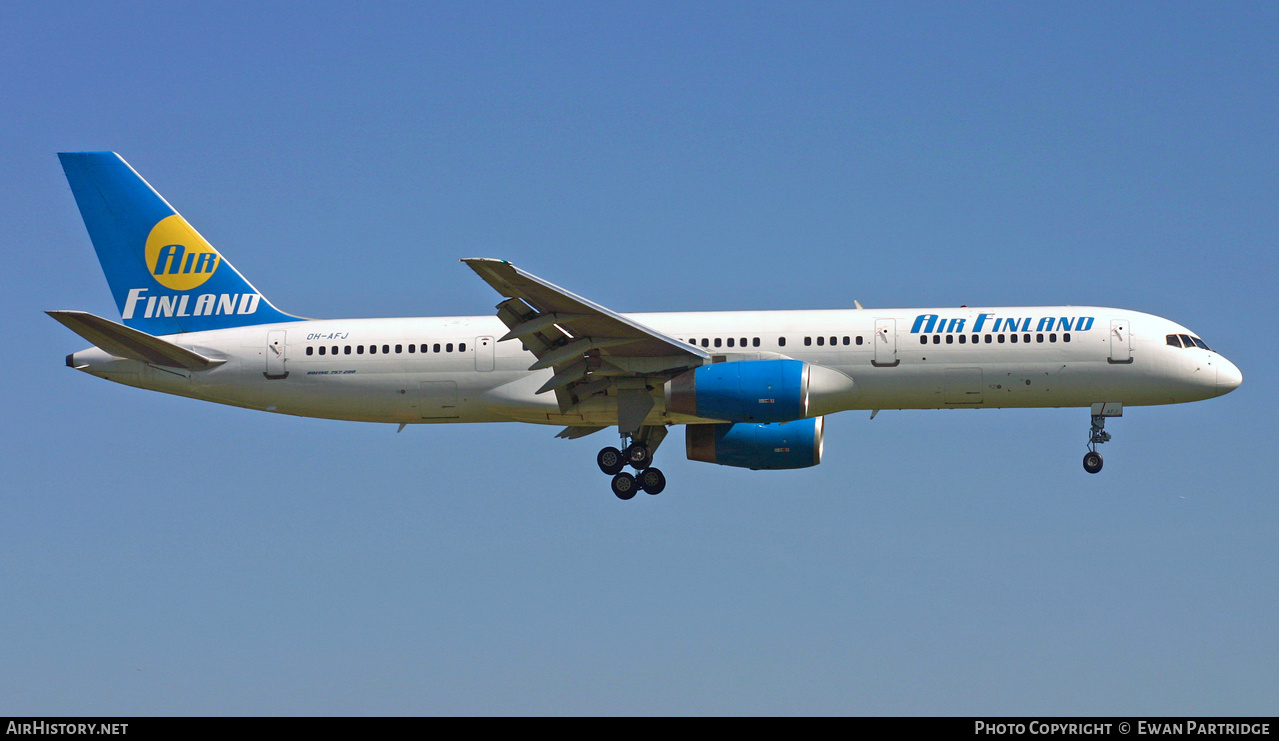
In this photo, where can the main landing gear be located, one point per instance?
(637, 455)
(1098, 435)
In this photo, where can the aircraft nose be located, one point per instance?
(1228, 377)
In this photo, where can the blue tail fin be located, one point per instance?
(165, 277)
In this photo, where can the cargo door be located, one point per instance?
(437, 399)
(963, 386)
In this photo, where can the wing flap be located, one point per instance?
(592, 350)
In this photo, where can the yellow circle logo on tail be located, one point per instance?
(178, 257)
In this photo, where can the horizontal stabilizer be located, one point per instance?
(124, 342)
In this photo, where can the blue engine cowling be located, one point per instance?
(744, 391)
(795, 444)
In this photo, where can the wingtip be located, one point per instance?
(489, 266)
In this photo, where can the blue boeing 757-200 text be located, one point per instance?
(751, 387)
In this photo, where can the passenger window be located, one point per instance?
(372, 349)
(1052, 337)
(435, 347)
(359, 349)
(1065, 337)
(821, 341)
(988, 339)
(950, 339)
(399, 349)
(346, 350)
(936, 339)
(1025, 338)
(962, 338)
(335, 350)
(743, 342)
(859, 339)
(923, 339)
(1012, 338)
(412, 349)
(310, 350)
(461, 347)
(1001, 339)
(386, 349)
(1039, 337)
(321, 349)
(808, 341)
(706, 342)
(730, 341)
(448, 347)
(781, 342)
(754, 342)
(718, 342)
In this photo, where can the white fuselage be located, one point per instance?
(898, 359)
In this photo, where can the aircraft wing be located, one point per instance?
(589, 347)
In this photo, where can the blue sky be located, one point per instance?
(164, 556)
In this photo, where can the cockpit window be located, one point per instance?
(1187, 341)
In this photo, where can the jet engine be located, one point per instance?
(759, 391)
(796, 444)
(746, 391)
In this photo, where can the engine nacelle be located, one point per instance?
(744, 391)
(796, 444)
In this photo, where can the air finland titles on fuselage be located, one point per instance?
(752, 387)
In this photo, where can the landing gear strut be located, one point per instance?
(636, 453)
(1098, 435)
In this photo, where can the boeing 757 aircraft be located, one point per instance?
(750, 387)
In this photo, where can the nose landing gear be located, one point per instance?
(1098, 435)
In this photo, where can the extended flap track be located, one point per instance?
(572, 359)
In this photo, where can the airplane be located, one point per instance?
(751, 388)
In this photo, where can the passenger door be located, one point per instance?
(275, 349)
(1120, 341)
(483, 353)
(885, 343)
